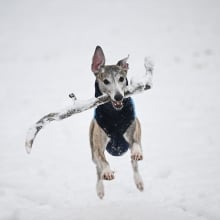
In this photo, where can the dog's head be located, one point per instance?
(111, 78)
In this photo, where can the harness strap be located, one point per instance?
(115, 123)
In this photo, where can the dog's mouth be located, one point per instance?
(118, 105)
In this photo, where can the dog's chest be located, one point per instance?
(115, 123)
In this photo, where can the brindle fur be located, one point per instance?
(98, 138)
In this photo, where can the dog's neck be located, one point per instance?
(113, 121)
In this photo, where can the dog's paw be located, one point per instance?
(137, 155)
(100, 194)
(100, 189)
(138, 181)
(108, 174)
(140, 186)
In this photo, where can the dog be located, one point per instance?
(115, 127)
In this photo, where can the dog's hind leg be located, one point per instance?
(137, 177)
(136, 154)
(133, 135)
(98, 140)
(99, 185)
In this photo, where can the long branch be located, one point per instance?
(135, 87)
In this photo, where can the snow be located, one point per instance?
(46, 49)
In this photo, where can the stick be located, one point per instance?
(135, 87)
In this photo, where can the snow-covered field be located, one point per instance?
(45, 53)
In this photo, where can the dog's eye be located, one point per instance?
(121, 79)
(106, 82)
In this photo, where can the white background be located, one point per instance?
(45, 53)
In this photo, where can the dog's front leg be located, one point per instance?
(98, 140)
(135, 141)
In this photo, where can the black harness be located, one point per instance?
(115, 123)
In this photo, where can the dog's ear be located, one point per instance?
(123, 63)
(98, 60)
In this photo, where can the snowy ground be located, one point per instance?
(45, 53)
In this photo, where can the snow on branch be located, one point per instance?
(137, 85)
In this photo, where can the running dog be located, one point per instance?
(115, 127)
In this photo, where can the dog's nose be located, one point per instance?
(118, 97)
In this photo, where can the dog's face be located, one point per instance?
(111, 78)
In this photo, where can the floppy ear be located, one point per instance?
(98, 60)
(123, 63)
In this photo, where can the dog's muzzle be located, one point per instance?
(118, 101)
(118, 105)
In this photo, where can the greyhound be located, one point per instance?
(115, 127)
